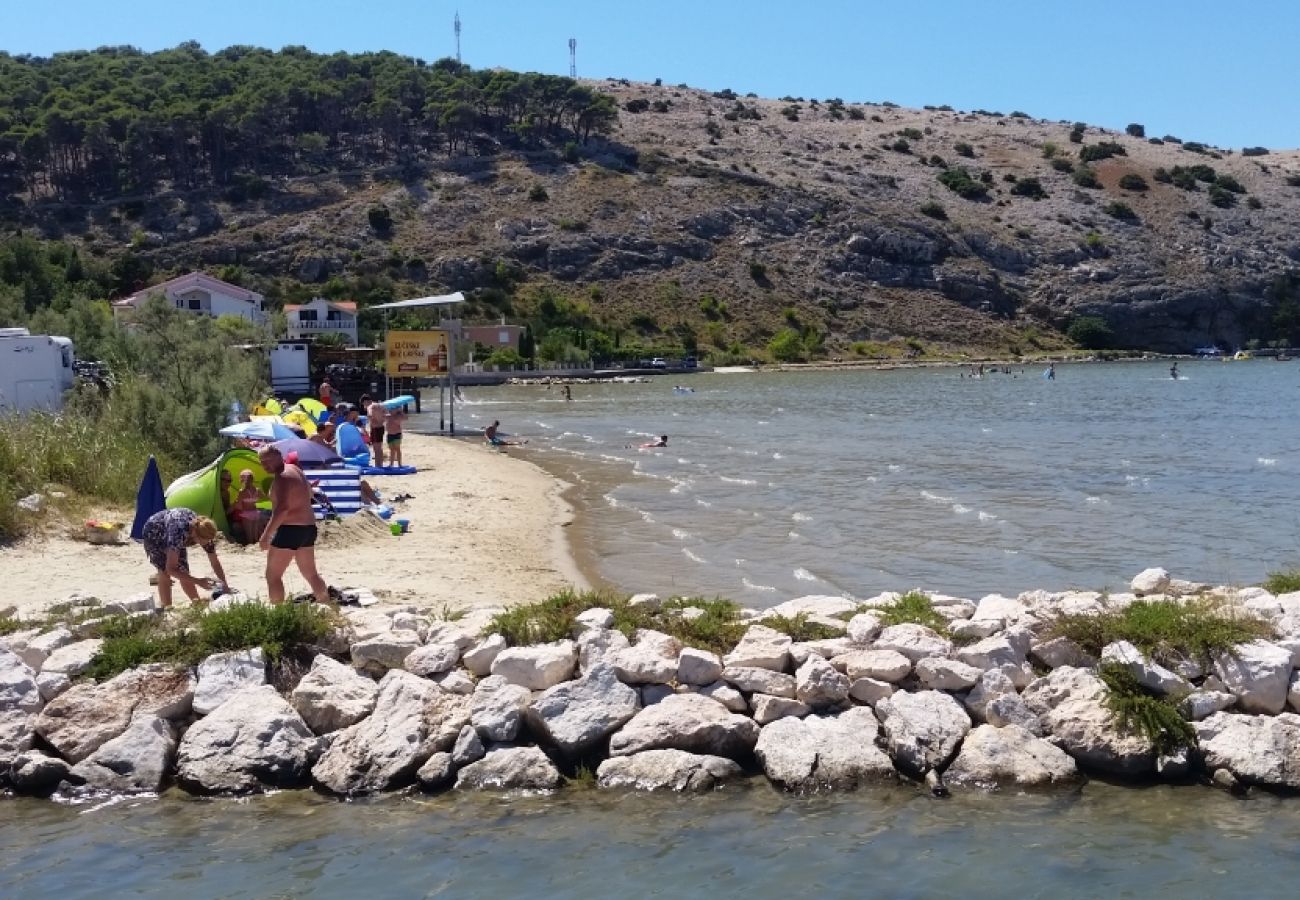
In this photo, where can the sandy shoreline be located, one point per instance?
(487, 529)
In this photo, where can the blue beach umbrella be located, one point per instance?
(149, 499)
(262, 430)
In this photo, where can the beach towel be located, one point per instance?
(341, 485)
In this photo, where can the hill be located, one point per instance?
(626, 217)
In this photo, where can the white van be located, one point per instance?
(35, 370)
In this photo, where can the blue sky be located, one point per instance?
(1221, 73)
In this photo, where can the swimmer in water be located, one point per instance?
(661, 441)
(1173, 371)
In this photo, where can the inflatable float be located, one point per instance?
(402, 400)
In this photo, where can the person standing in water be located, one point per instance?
(290, 536)
(1173, 371)
(1050, 374)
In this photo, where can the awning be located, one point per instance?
(444, 300)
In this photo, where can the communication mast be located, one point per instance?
(573, 57)
(456, 25)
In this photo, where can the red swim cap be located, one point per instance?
(292, 458)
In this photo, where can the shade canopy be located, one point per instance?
(444, 300)
(262, 430)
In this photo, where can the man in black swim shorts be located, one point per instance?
(290, 536)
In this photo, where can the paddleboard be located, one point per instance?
(395, 402)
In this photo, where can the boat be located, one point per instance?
(1243, 354)
(1208, 352)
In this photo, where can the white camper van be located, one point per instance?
(35, 370)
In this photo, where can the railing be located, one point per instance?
(322, 324)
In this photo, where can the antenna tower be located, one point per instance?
(456, 25)
(573, 57)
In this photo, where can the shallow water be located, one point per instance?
(776, 485)
(886, 842)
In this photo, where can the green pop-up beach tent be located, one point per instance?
(201, 490)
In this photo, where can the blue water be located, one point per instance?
(775, 485)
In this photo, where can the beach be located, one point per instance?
(487, 529)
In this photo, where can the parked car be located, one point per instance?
(658, 363)
(689, 363)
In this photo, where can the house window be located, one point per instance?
(503, 337)
(334, 316)
(196, 302)
(306, 315)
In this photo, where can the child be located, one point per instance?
(247, 515)
(393, 426)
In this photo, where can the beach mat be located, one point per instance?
(384, 470)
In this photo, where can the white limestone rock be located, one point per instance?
(457, 681)
(993, 652)
(973, 630)
(221, 675)
(725, 694)
(863, 628)
(923, 729)
(649, 661)
(1010, 756)
(992, 684)
(938, 674)
(1259, 673)
(761, 648)
(384, 651)
(1202, 704)
(510, 769)
(689, 722)
(437, 772)
(73, 659)
(814, 605)
(1262, 750)
(539, 667)
(253, 742)
(38, 648)
(16, 736)
(596, 617)
(752, 680)
(817, 684)
(768, 708)
(36, 774)
(882, 665)
(870, 691)
(136, 761)
(1060, 651)
(52, 684)
(577, 716)
(455, 633)
(432, 659)
(1011, 709)
(1150, 581)
(1149, 674)
(600, 644)
(413, 719)
(467, 749)
(497, 708)
(1071, 704)
(332, 696)
(698, 667)
(995, 607)
(479, 658)
(913, 641)
(824, 752)
(666, 770)
(18, 687)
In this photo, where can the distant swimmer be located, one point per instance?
(661, 441)
(496, 440)
(1050, 374)
(568, 393)
(1173, 371)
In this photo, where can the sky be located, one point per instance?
(1222, 74)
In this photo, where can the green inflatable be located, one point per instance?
(201, 490)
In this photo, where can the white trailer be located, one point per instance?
(291, 368)
(35, 371)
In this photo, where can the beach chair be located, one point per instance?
(339, 488)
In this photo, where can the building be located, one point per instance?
(198, 292)
(494, 337)
(321, 316)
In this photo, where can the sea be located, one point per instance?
(775, 485)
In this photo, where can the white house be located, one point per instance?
(199, 293)
(322, 316)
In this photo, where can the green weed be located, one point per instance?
(9, 625)
(1137, 711)
(916, 608)
(1165, 630)
(799, 628)
(1283, 582)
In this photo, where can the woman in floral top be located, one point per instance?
(167, 534)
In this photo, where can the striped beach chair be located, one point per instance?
(341, 486)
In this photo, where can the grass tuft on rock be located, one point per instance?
(1283, 582)
(1140, 712)
(799, 628)
(9, 625)
(913, 608)
(1165, 630)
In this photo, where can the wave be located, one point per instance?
(745, 481)
(801, 517)
(804, 575)
(935, 498)
(777, 456)
(682, 534)
(960, 510)
(694, 557)
(1266, 461)
(894, 468)
(794, 535)
(987, 517)
(702, 502)
(765, 588)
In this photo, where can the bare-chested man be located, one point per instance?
(290, 536)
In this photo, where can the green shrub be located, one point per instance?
(934, 211)
(856, 114)
(1221, 198)
(552, 619)
(787, 346)
(1103, 150)
(1133, 182)
(1165, 630)
(1229, 183)
(572, 153)
(1029, 187)
(1076, 133)
(10, 625)
(1293, 180)
(1135, 130)
(901, 146)
(959, 181)
(1063, 165)
(1162, 175)
(1254, 151)
(718, 627)
(1086, 178)
(758, 271)
(1121, 211)
(566, 224)
(799, 628)
(637, 105)
(537, 194)
(915, 608)
(1138, 711)
(1254, 203)
(1090, 332)
(1194, 146)
(1284, 581)
(380, 219)
(1050, 150)
(961, 148)
(912, 134)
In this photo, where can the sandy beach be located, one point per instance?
(487, 529)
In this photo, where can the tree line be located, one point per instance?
(91, 125)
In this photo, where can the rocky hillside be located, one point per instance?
(721, 220)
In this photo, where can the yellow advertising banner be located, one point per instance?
(413, 353)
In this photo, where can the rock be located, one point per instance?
(993, 683)
(457, 681)
(819, 685)
(36, 774)
(136, 761)
(510, 768)
(883, 665)
(467, 749)
(413, 719)
(73, 659)
(407, 621)
(974, 631)
(595, 645)
(647, 662)
(333, 696)
(52, 684)
(1202, 704)
(1150, 581)
(725, 694)
(652, 693)
(814, 605)
(648, 601)
(761, 648)
(823, 751)
(993, 757)
(18, 688)
(1256, 749)
(1010, 709)
(454, 633)
(995, 607)
(993, 652)
(1175, 765)
(479, 658)
(1149, 674)
(16, 735)
(671, 770)
(689, 722)
(923, 729)
(384, 651)
(596, 617)
(863, 628)
(1071, 703)
(827, 648)
(252, 742)
(432, 659)
(698, 667)
(756, 680)
(870, 691)
(913, 641)
(536, 668)
(939, 674)
(577, 716)
(38, 648)
(1259, 673)
(768, 708)
(223, 674)
(497, 708)
(85, 717)
(438, 772)
(1059, 652)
